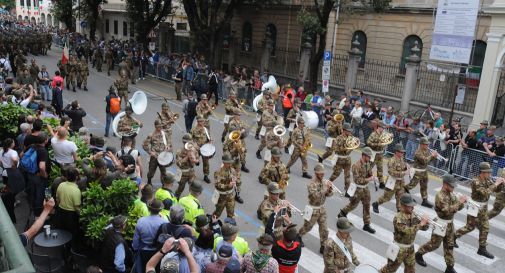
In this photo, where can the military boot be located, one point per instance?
(206, 179)
(450, 269)
(85, 88)
(286, 150)
(342, 214)
(483, 252)
(238, 198)
(257, 136)
(321, 249)
(320, 159)
(306, 175)
(244, 169)
(368, 229)
(427, 204)
(73, 89)
(375, 207)
(258, 154)
(419, 259)
(455, 243)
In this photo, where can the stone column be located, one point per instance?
(411, 73)
(267, 51)
(352, 69)
(304, 62)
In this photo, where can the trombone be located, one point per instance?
(430, 221)
(439, 156)
(286, 203)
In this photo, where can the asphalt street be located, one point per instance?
(370, 249)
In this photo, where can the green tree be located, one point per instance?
(147, 14)
(62, 11)
(89, 10)
(8, 4)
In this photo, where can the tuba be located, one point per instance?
(351, 143)
(279, 130)
(234, 135)
(139, 102)
(338, 117)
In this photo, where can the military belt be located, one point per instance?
(361, 186)
(419, 170)
(225, 192)
(481, 204)
(446, 222)
(186, 170)
(343, 156)
(403, 245)
(315, 207)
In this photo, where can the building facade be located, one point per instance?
(35, 12)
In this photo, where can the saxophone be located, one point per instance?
(305, 148)
(283, 183)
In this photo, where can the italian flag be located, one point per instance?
(64, 57)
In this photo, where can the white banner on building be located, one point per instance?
(454, 30)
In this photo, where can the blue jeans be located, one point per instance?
(465, 159)
(108, 121)
(411, 149)
(46, 92)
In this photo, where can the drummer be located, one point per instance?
(201, 136)
(154, 145)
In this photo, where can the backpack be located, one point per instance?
(115, 105)
(29, 161)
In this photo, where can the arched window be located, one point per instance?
(272, 30)
(359, 41)
(247, 37)
(478, 53)
(408, 44)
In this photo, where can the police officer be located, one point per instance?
(275, 172)
(201, 136)
(362, 175)
(121, 85)
(185, 160)
(191, 204)
(344, 158)
(318, 189)
(374, 142)
(268, 121)
(406, 225)
(302, 141)
(396, 169)
(338, 253)
(226, 180)
(446, 206)
(154, 144)
(165, 193)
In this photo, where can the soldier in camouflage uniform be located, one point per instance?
(422, 157)
(83, 73)
(24, 77)
(499, 202)
(301, 140)
(129, 66)
(185, 161)
(446, 206)
(272, 205)
(166, 117)
(291, 119)
(268, 120)
(319, 188)
(121, 85)
(344, 158)
(275, 172)
(362, 175)
(334, 129)
(126, 125)
(397, 169)
(406, 225)
(482, 187)
(204, 110)
(109, 60)
(226, 180)
(19, 61)
(34, 72)
(72, 68)
(98, 59)
(273, 139)
(123, 68)
(374, 142)
(261, 108)
(154, 144)
(230, 107)
(201, 136)
(338, 257)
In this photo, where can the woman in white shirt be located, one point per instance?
(65, 152)
(11, 175)
(356, 114)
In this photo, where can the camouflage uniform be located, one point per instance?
(299, 138)
(343, 161)
(291, 117)
(499, 202)
(154, 144)
(360, 172)
(82, 76)
(72, 68)
(334, 129)
(236, 125)
(125, 126)
(421, 159)
(230, 107)
(405, 230)
(186, 166)
(20, 61)
(261, 108)
(109, 60)
(129, 66)
(374, 142)
(266, 208)
(223, 178)
(237, 152)
(204, 110)
(34, 72)
(318, 191)
(269, 120)
(335, 260)
(396, 169)
(121, 85)
(98, 59)
(275, 172)
(166, 120)
(200, 138)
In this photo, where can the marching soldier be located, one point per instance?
(274, 139)
(482, 187)
(226, 180)
(167, 118)
(396, 169)
(237, 125)
(262, 106)
(154, 144)
(200, 135)
(269, 211)
(233, 145)
(362, 175)
(186, 159)
(72, 68)
(165, 193)
(98, 59)
(268, 121)
(204, 110)
(344, 158)
(374, 142)
(422, 157)
(231, 106)
(126, 125)
(301, 140)
(121, 85)
(129, 66)
(319, 188)
(275, 172)
(82, 77)
(34, 72)
(19, 61)
(406, 225)
(109, 60)
(123, 68)
(334, 129)
(446, 206)
(499, 202)
(291, 121)
(338, 252)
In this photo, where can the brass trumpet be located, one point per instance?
(338, 117)
(469, 201)
(286, 203)
(439, 156)
(329, 184)
(432, 223)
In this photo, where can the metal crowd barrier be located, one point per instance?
(467, 162)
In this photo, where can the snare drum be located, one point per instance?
(208, 150)
(165, 158)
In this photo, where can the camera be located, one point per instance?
(47, 194)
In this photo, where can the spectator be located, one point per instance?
(43, 81)
(488, 140)
(261, 260)
(232, 267)
(454, 138)
(99, 171)
(188, 75)
(316, 103)
(288, 250)
(39, 222)
(25, 129)
(140, 204)
(376, 108)
(224, 255)
(439, 121)
(256, 83)
(57, 101)
(203, 249)
(115, 252)
(12, 178)
(175, 227)
(230, 237)
(368, 117)
(401, 126)
(65, 151)
(189, 110)
(127, 149)
(288, 100)
(213, 82)
(177, 77)
(19, 99)
(469, 145)
(414, 131)
(173, 261)
(264, 76)
(482, 131)
(68, 198)
(388, 118)
(37, 182)
(307, 102)
(56, 79)
(144, 235)
(34, 136)
(75, 113)
(356, 114)
(497, 153)
(346, 110)
(115, 101)
(300, 93)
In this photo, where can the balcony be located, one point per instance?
(114, 7)
(424, 4)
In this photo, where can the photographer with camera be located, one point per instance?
(175, 256)
(115, 252)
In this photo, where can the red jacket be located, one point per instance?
(287, 257)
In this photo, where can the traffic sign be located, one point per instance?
(326, 86)
(327, 56)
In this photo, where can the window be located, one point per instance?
(478, 53)
(115, 27)
(106, 25)
(22, 2)
(125, 28)
(181, 26)
(359, 41)
(132, 29)
(247, 37)
(28, 3)
(272, 32)
(35, 3)
(409, 43)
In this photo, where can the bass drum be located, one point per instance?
(165, 158)
(365, 268)
(208, 150)
(311, 119)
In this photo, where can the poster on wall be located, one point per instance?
(454, 30)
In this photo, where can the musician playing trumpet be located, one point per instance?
(226, 180)
(268, 120)
(167, 119)
(154, 144)
(374, 141)
(201, 136)
(446, 206)
(422, 158)
(274, 139)
(275, 172)
(231, 106)
(274, 212)
(204, 109)
(302, 141)
(318, 189)
(482, 187)
(237, 125)
(186, 158)
(344, 158)
(126, 125)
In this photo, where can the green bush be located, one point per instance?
(9, 115)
